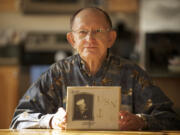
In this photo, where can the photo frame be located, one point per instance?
(93, 107)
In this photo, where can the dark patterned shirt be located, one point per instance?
(139, 95)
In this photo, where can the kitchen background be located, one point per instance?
(33, 36)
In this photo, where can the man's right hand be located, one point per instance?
(59, 119)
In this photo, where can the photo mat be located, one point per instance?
(93, 107)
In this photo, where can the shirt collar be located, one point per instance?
(102, 68)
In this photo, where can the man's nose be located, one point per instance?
(90, 36)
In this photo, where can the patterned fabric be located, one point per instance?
(139, 95)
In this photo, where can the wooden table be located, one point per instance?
(59, 132)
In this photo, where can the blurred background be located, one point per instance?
(33, 36)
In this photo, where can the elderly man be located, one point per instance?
(144, 106)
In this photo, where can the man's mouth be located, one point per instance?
(90, 47)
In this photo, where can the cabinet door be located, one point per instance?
(9, 83)
(8, 5)
(129, 6)
(170, 86)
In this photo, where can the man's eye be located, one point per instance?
(99, 30)
(82, 32)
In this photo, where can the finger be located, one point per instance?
(63, 122)
(62, 125)
(56, 126)
(124, 118)
(128, 125)
(122, 125)
(56, 122)
(62, 111)
(123, 113)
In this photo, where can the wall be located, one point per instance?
(12, 18)
(18, 21)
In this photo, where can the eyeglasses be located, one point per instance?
(96, 33)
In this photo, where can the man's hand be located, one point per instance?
(129, 121)
(59, 119)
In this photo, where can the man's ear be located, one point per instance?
(70, 38)
(112, 38)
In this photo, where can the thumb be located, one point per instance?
(61, 112)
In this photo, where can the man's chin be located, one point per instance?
(90, 54)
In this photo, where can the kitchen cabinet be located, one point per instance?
(8, 5)
(9, 85)
(129, 6)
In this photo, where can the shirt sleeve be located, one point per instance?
(40, 102)
(153, 104)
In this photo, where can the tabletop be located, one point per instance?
(59, 132)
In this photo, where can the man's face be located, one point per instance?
(82, 105)
(91, 34)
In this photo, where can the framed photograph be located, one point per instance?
(93, 107)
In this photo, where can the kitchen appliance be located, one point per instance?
(50, 6)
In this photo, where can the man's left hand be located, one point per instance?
(129, 121)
